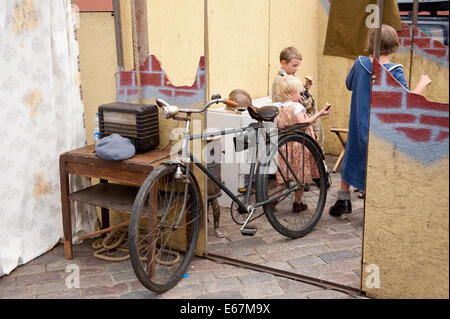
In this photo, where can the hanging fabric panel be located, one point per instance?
(41, 116)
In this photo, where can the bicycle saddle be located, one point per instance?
(263, 113)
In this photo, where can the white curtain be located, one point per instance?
(41, 116)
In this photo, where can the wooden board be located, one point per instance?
(107, 195)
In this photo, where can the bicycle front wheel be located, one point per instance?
(164, 227)
(293, 167)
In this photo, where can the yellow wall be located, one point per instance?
(406, 230)
(332, 73)
(246, 38)
(238, 46)
(175, 30)
(98, 64)
(294, 23)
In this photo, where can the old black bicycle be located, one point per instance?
(167, 213)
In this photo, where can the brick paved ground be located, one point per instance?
(332, 251)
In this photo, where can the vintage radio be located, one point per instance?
(138, 122)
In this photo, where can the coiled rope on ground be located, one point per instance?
(116, 243)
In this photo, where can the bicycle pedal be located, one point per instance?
(249, 230)
(242, 190)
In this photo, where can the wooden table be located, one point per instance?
(85, 162)
(338, 132)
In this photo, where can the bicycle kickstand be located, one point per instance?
(249, 230)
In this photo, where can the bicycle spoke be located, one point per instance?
(164, 231)
(295, 213)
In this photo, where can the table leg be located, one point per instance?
(65, 207)
(105, 211)
(339, 160)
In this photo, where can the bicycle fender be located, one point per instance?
(171, 162)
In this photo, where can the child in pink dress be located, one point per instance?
(292, 112)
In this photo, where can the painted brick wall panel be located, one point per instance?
(416, 126)
(418, 135)
(151, 79)
(156, 65)
(391, 81)
(396, 118)
(184, 93)
(434, 120)
(145, 67)
(424, 45)
(420, 42)
(126, 78)
(439, 53)
(442, 136)
(415, 101)
(155, 81)
(439, 45)
(201, 83)
(386, 99)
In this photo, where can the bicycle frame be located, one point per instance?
(187, 158)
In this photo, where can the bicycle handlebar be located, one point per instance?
(172, 110)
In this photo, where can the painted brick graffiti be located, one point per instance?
(415, 126)
(156, 83)
(423, 45)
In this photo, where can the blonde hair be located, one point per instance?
(287, 85)
(389, 42)
(290, 53)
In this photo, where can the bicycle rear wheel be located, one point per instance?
(275, 177)
(162, 234)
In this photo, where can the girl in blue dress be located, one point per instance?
(353, 169)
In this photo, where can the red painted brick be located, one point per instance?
(132, 91)
(418, 135)
(396, 118)
(121, 92)
(184, 93)
(391, 81)
(201, 83)
(418, 42)
(145, 66)
(437, 52)
(126, 78)
(442, 136)
(434, 120)
(377, 71)
(406, 42)
(166, 81)
(416, 101)
(99, 5)
(419, 33)
(202, 62)
(386, 99)
(439, 45)
(405, 33)
(151, 79)
(165, 92)
(156, 65)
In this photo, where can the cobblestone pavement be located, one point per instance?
(332, 252)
